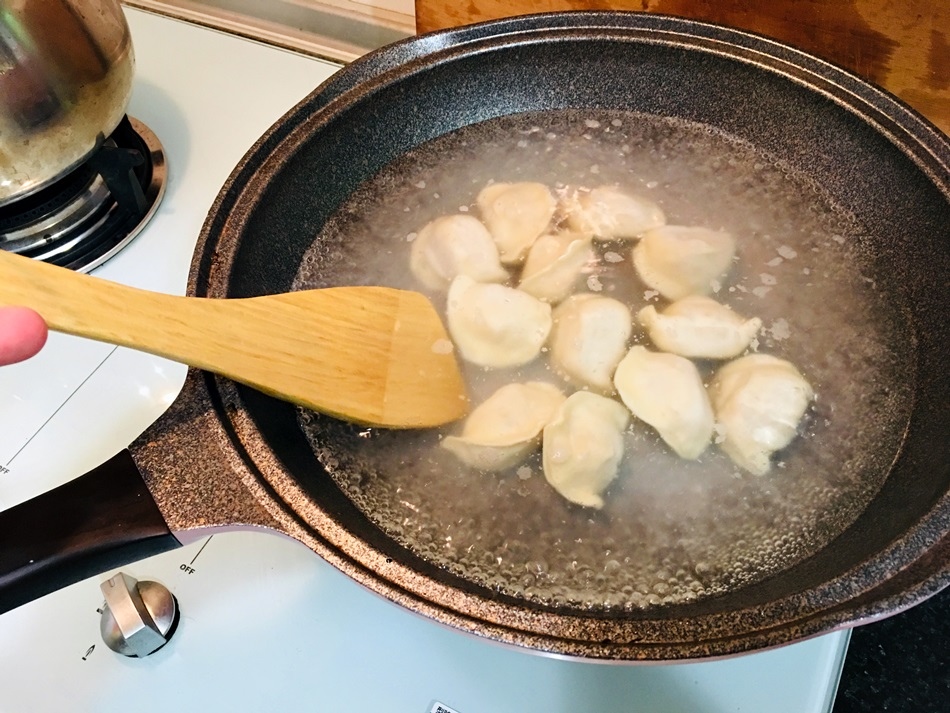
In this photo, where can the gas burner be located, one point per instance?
(89, 215)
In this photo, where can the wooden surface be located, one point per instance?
(372, 355)
(903, 46)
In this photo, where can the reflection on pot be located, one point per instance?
(65, 80)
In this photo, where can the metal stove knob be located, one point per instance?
(138, 618)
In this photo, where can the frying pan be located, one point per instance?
(226, 456)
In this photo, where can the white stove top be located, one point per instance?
(265, 623)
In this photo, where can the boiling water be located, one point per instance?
(671, 530)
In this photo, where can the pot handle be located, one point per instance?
(98, 521)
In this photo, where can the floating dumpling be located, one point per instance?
(589, 338)
(699, 327)
(582, 447)
(506, 427)
(667, 392)
(553, 264)
(455, 245)
(496, 326)
(759, 401)
(516, 214)
(611, 213)
(678, 261)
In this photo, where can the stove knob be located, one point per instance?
(138, 618)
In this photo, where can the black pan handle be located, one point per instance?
(98, 521)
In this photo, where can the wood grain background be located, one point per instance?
(903, 46)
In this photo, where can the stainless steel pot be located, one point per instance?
(65, 79)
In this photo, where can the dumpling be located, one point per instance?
(516, 215)
(506, 427)
(759, 401)
(678, 261)
(553, 264)
(589, 338)
(455, 245)
(496, 326)
(667, 392)
(611, 213)
(699, 327)
(582, 447)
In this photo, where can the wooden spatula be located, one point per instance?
(372, 355)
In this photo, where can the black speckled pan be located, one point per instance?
(225, 456)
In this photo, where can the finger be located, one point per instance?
(22, 334)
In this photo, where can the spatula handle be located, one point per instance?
(91, 307)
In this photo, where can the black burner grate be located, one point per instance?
(86, 217)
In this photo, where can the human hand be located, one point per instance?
(22, 334)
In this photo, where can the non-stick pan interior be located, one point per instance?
(874, 197)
